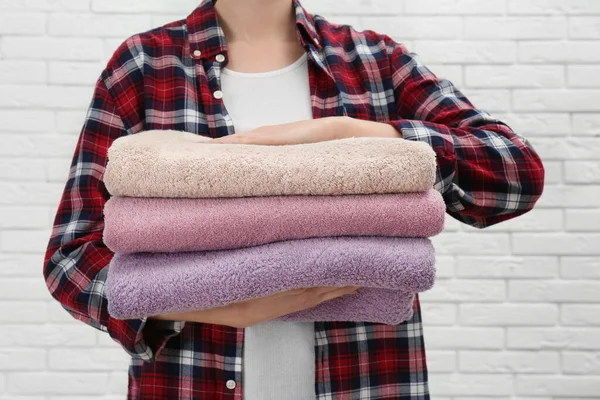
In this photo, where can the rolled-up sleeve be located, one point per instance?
(486, 172)
(76, 260)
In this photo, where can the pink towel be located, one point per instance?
(172, 225)
(185, 165)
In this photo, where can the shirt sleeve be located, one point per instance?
(76, 260)
(486, 172)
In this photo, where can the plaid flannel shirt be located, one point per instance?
(165, 79)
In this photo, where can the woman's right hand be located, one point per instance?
(250, 312)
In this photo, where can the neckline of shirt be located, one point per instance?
(303, 58)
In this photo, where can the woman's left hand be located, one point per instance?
(310, 131)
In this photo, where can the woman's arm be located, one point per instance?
(486, 172)
(76, 259)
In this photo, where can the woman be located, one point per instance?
(268, 72)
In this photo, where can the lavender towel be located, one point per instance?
(170, 225)
(182, 164)
(390, 268)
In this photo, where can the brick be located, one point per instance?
(508, 314)
(538, 124)
(466, 52)
(554, 291)
(22, 24)
(23, 289)
(471, 384)
(464, 338)
(14, 169)
(584, 27)
(117, 383)
(13, 241)
(513, 267)
(546, 52)
(21, 311)
(556, 243)
(567, 148)
(569, 196)
(446, 290)
(57, 383)
(517, 76)
(553, 172)
(16, 265)
(44, 335)
(460, 7)
(31, 193)
(22, 359)
(515, 28)
(71, 122)
(586, 124)
(24, 217)
(72, 73)
(552, 7)
(144, 6)
(401, 28)
(554, 385)
(26, 121)
(556, 100)
(583, 220)
(38, 145)
(472, 243)
(580, 314)
(354, 7)
(584, 76)
(553, 338)
(519, 362)
(577, 267)
(582, 172)
(30, 72)
(94, 25)
(444, 266)
(44, 5)
(57, 170)
(88, 359)
(536, 220)
(490, 100)
(582, 363)
(441, 361)
(53, 48)
(439, 314)
(45, 96)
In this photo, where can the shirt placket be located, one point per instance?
(327, 100)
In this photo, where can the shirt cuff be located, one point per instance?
(144, 338)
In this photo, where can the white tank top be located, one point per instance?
(278, 357)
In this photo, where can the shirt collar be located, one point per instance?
(205, 33)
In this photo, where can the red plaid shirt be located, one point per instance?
(165, 79)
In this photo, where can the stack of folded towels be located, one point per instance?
(197, 225)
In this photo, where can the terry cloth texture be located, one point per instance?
(171, 225)
(390, 270)
(175, 164)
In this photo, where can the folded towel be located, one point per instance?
(135, 224)
(181, 164)
(145, 284)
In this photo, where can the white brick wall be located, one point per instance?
(516, 311)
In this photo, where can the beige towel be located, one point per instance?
(182, 164)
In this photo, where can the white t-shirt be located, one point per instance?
(278, 357)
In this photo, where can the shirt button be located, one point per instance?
(218, 94)
(220, 57)
(197, 53)
(230, 384)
